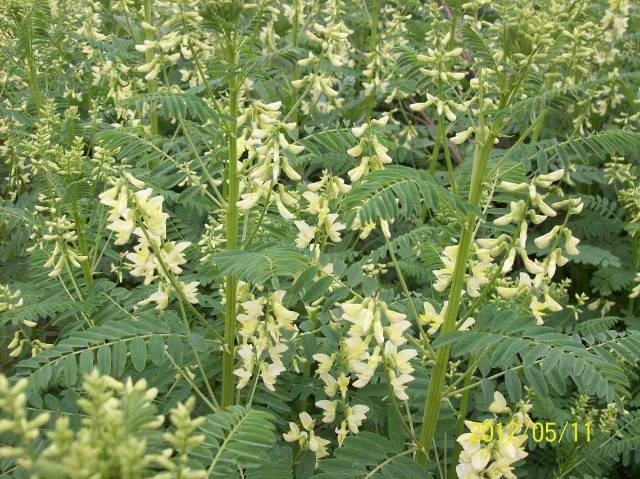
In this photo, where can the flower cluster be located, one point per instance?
(376, 153)
(353, 415)
(91, 28)
(20, 340)
(62, 233)
(373, 339)
(437, 65)
(371, 320)
(478, 269)
(392, 34)
(318, 197)
(306, 437)
(333, 40)
(135, 211)
(110, 438)
(168, 49)
(183, 441)
(489, 449)
(13, 401)
(266, 147)
(212, 237)
(265, 335)
(8, 301)
(533, 208)
(434, 320)
(537, 211)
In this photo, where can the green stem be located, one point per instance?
(295, 26)
(433, 161)
(256, 227)
(407, 294)
(294, 43)
(436, 384)
(373, 40)
(462, 413)
(635, 256)
(33, 76)
(81, 229)
(228, 379)
(447, 157)
(151, 85)
(195, 353)
(440, 138)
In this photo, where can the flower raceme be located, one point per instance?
(133, 210)
(318, 197)
(266, 328)
(109, 437)
(482, 265)
(306, 437)
(434, 320)
(489, 450)
(368, 321)
(376, 154)
(266, 146)
(374, 337)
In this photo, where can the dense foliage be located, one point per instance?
(329, 239)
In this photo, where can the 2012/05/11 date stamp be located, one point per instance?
(549, 432)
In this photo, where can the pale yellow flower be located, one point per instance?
(329, 409)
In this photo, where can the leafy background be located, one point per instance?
(59, 79)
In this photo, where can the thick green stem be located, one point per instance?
(295, 26)
(447, 157)
(436, 384)
(228, 379)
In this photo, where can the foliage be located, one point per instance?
(324, 239)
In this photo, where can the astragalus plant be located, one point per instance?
(329, 239)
